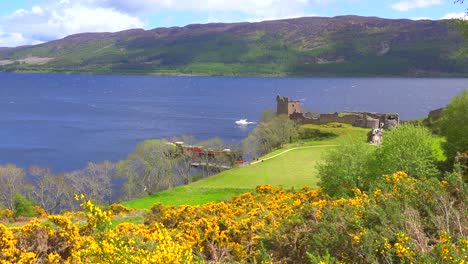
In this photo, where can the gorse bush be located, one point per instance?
(400, 220)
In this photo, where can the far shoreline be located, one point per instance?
(142, 74)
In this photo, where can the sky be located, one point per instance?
(29, 22)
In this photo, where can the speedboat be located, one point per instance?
(243, 122)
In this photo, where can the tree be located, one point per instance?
(52, 192)
(149, 169)
(462, 24)
(454, 126)
(270, 135)
(183, 166)
(267, 116)
(94, 181)
(407, 148)
(11, 182)
(346, 167)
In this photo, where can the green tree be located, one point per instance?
(407, 148)
(22, 206)
(267, 116)
(270, 135)
(462, 24)
(454, 126)
(149, 169)
(346, 167)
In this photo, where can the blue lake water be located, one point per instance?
(64, 121)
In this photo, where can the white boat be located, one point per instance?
(243, 122)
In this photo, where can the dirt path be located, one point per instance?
(287, 150)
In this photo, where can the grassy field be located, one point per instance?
(293, 169)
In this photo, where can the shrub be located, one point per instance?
(454, 126)
(22, 206)
(346, 167)
(407, 148)
(119, 209)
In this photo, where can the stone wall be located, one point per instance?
(359, 119)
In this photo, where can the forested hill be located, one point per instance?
(311, 46)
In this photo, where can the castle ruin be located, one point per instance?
(284, 106)
(360, 119)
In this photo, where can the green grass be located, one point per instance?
(293, 169)
(186, 195)
(130, 219)
(324, 134)
(332, 133)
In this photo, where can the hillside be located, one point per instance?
(310, 46)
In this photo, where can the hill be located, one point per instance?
(310, 46)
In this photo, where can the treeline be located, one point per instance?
(153, 166)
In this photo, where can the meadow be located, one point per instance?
(293, 169)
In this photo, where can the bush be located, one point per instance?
(22, 206)
(454, 126)
(407, 148)
(346, 167)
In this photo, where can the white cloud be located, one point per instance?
(454, 16)
(407, 5)
(36, 10)
(11, 39)
(420, 18)
(259, 9)
(56, 19)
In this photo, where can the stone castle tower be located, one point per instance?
(284, 106)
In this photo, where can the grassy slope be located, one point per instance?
(295, 168)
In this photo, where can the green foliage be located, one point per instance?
(454, 126)
(271, 135)
(148, 169)
(346, 167)
(267, 116)
(407, 148)
(404, 220)
(22, 206)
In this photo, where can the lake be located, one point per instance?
(64, 121)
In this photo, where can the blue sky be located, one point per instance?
(25, 22)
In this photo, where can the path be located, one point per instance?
(287, 150)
